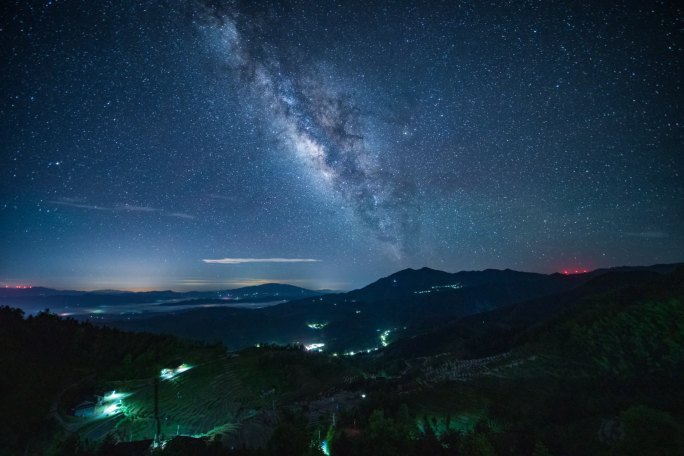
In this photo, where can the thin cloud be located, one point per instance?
(128, 207)
(71, 203)
(260, 260)
(223, 197)
(649, 234)
(180, 215)
(81, 204)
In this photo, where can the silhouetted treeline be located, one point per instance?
(42, 355)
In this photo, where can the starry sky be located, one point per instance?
(208, 145)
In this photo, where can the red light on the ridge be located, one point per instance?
(575, 271)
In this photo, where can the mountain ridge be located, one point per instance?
(352, 320)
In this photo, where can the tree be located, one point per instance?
(291, 438)
(650, 432)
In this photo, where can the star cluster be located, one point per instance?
(139, 138)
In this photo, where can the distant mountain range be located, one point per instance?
(405, 303)
(52, 298)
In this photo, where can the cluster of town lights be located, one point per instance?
(453, 286)
(384, 336)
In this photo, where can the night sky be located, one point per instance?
(141, 138)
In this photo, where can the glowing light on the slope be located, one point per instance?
(317, 325)
(453, 286)
(112, 409)
(113, 396)
(383, 337)
(168, 374)
(314, 347)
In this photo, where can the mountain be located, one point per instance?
(275, 290)
(407, 302)
(504, 363)
(9, 292)
(498, 330)
(41, 298)
(518, 285)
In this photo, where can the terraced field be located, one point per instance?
(206, 400)
(227, 396)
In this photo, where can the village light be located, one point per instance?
(317, 325)
(111, 409)
(316, 347)
(168, 374)
(182, 368)
(112, 396)
(384, 336)
(324, 448)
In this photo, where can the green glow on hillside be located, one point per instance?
(168, 374)
(317, 325)
(314, 347)
(383, 337)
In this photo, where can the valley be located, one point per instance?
(451, 368)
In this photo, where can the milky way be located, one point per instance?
(140, 138)
(322, 126)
